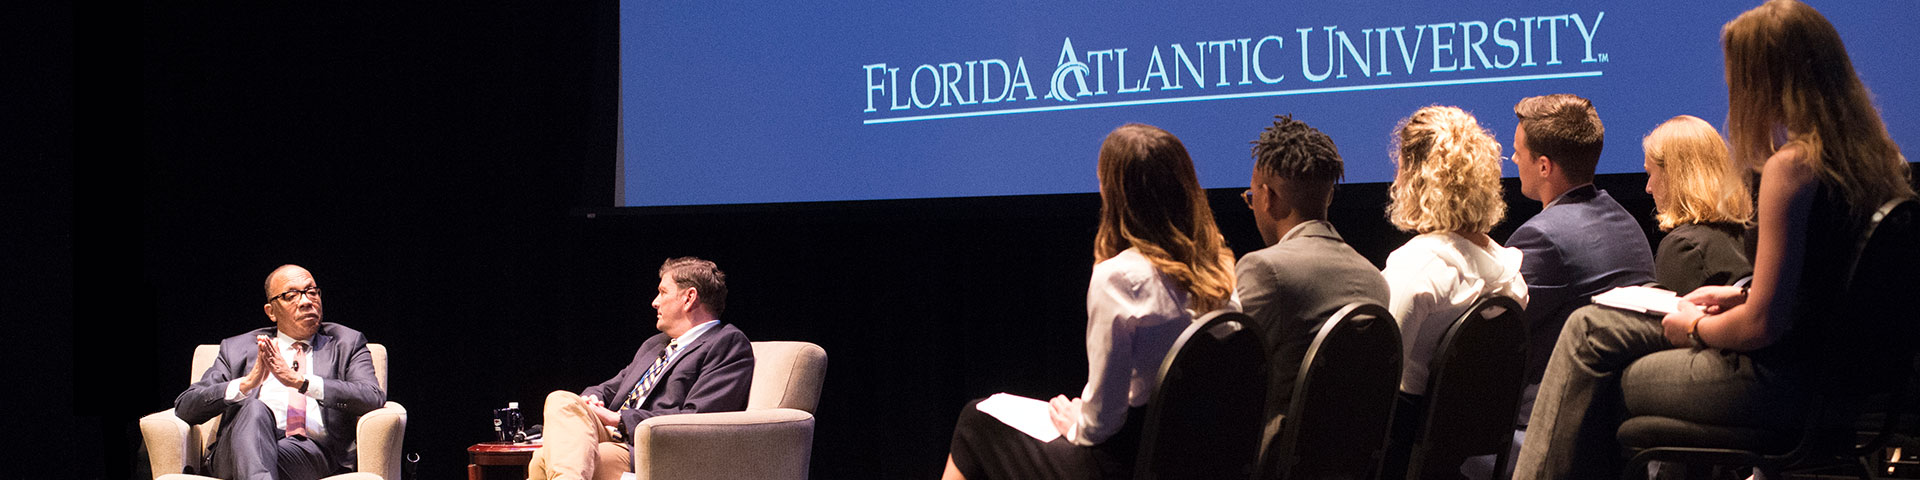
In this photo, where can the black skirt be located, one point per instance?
(985, 448)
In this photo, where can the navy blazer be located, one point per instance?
(711, 375)
(1581, 246)
(340, 356)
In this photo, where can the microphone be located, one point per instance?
(296, 365)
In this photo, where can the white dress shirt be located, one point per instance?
(1134, 314)
(275, 394)
(1433, 279)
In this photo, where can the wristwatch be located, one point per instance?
(1693, 335)
(303, 382)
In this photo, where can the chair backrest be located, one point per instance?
(1203, 422)
(204, 355)
(1342, 401)
(787, 375)
(1473, 389)
(1881, 330)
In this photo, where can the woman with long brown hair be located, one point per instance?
(1798, 115)
(1160, 261)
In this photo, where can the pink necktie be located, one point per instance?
(296, 401)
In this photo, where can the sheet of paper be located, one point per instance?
(1027, 415)
(1648, 300)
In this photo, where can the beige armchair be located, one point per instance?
(772, 439)
(172, 444)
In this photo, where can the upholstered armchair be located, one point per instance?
(173, 445)
(772, 439)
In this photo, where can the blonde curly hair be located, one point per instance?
(1448, 176)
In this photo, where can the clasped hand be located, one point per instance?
(268, 356)
(1709, 300)
(599, 408)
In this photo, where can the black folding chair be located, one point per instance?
(1204, 420)
(1336, 427)
(1473, 389)
(1872, 345)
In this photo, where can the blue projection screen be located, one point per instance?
(734, 102)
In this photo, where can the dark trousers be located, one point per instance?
(984, 448)
(1609, 364)
(251, 447)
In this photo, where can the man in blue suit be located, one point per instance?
(696, 364)
(1582, 243)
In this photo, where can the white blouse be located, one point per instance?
(1134, 314)
(1432, 280)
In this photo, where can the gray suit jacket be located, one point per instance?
(1293, 287)
(710, 375)
(339, 355)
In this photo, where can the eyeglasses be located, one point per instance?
(1247, 196)
(292, 295)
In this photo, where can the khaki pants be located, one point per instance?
(577, 446)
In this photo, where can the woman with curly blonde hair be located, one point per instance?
(1703, 203)
(1447, 190)
(1160, 260)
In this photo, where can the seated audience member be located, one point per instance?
(696, 364)
(1703, 205)
(1307, 272)
(1796, 113)
(289, 394)
(1582, 243)
(1447, 190)
(1160, 258)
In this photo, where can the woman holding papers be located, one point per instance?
(1160, 258)
(1703, 204)
(1799, 116)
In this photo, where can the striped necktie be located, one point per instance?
(296, 401)
(640, 390)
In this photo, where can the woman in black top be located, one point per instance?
(1703, 204)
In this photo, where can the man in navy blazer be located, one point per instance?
(1583, 243)
(694, 365)
(290, 394)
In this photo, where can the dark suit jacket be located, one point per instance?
(1582, 245)
(711, 375)
(339, 355)
(1292, 288)
(1698, 254)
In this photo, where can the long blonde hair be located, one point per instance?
(1702, 185)
(1151, 200)
(1786, 68)
(1448, 176)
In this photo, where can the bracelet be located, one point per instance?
(1693, 333)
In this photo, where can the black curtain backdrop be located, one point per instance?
(434, 166)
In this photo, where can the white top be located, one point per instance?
(1134, 314)
(275, 395)
(694, 333)
(1433, 279)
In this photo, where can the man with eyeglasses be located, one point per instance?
(696, 364)
(1307, 272)
(289, 395)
